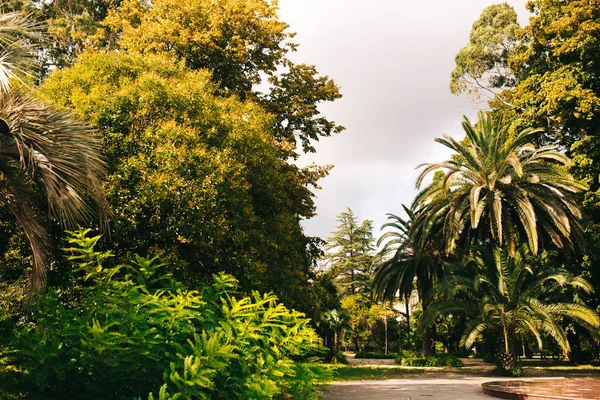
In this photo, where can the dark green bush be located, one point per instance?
(125, 331)
(371, 355)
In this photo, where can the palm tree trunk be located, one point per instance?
(427, 347)
(407, 303)
(506, 359)
(575, 344)
(335, 340)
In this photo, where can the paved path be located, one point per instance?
(455, 388)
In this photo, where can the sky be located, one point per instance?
(392, 60)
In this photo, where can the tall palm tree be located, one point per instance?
(499, 189)
(41, 148)
(398, 268)
(504, 294)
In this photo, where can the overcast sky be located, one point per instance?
(392, 60)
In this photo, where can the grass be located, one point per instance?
(562, 367)
(345, 373)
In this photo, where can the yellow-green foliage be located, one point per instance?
(196, 178)
(236, 39)
(120, 332)
(364, 315)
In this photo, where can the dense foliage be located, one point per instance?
(212, 164)
(514, 298)
(552, 64)
(120, 332)
(361, 322)
(403, 264)
(193, 177)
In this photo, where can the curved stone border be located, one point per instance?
(544, 389)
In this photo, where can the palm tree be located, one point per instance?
(511, 298)
(18, 35)
(41, 147)
(398, 268)
(335, 320)
(499, 189)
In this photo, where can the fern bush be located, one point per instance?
(125, 331)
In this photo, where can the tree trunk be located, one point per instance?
(335, 339)
(407, 302)
(575, 355)
(506, 358)
(427, 348)
(356, 345)
(386, 332)
(506, 362)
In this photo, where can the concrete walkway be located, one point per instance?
(455, 388)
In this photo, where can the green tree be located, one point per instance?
(42, 147)
(513, 298)
(193, 177)
(363, 316)
(500, 189)
(349, 253)
(482, 65)
(235, 39)
(241, 42)
(556, 86)
(400, 268)
(70, 27)
(335, 320)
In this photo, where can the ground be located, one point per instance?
(461, 387)
(433, 383)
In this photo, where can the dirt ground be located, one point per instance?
(455, 388)
(436, 383)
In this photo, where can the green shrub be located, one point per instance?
(514, 372)
(441, 360)
(381, 356)
(120, 332)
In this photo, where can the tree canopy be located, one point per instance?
(193, 176)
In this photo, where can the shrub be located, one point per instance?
(119, 332)
(441, 360)
(380, 356)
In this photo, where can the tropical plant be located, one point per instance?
(41, 147)
(122, 331)
(18, 34)
(335, 320)
(395, 272)
(512, 297)
(500, 189)
(399, 268)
